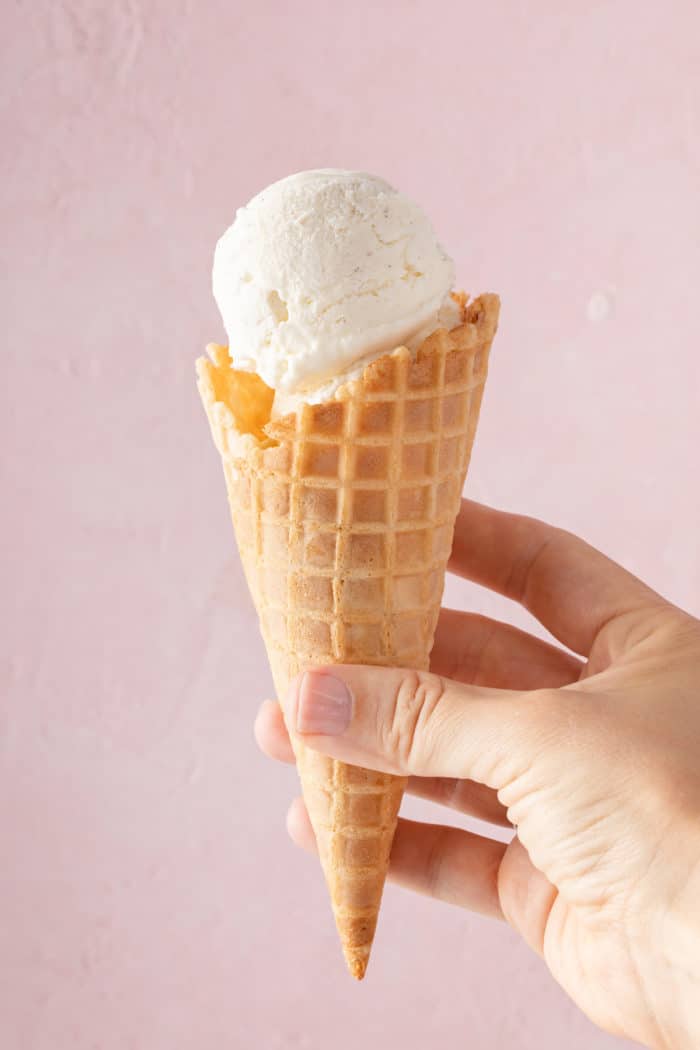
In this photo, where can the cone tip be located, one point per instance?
(357, 963)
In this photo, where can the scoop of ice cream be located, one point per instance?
(322, 270)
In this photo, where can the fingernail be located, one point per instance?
(324, 704)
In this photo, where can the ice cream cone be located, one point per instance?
(344, 514)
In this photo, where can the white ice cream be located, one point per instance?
(322, 271)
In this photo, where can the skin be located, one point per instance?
(594, 760)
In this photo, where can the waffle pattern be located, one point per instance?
(344, 519)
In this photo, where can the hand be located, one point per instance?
(596, 763)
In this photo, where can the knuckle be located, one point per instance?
(556, 722)
(545, 708)
(415, 700)
(537, 728)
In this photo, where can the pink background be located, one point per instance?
(150, 897)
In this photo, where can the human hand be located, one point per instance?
(596, 762)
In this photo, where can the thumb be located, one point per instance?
(415, 723)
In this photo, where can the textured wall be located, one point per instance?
(150, 898)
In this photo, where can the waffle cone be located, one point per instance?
(344, 514)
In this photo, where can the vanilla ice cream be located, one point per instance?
(323, 271)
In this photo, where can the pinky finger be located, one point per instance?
(446, 863)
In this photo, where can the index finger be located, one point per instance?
(569, 586)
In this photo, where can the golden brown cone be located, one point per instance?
(344, 514)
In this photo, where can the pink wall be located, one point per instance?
(150, 898)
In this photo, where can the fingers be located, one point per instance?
(478, 651)
(569, 586)
(271, 733)
(493, 878)
(468, 648)
(462, 795)
(527, 896)
(445, 863)
(415, 723)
